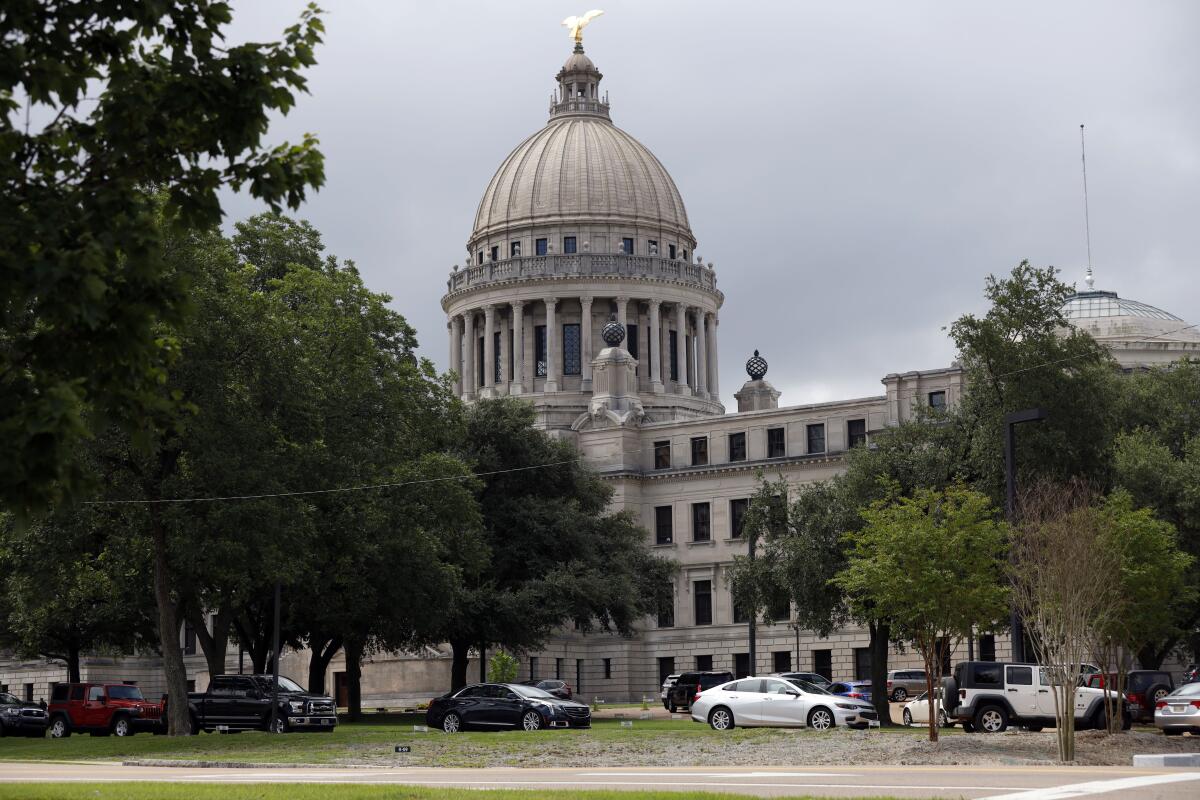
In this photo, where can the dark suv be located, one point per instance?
(1143, 689)
(691, 684)
(18, 718)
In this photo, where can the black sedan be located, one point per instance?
(505, 705)
(19, 718)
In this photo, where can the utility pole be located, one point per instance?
(1011, 421)
(752, 544)
(275, 664)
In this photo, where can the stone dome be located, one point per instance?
(582, 170)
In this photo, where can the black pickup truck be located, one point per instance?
(243, 702)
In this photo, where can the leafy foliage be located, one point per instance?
(502, 668)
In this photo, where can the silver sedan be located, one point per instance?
(1179, 711)
(775, 702)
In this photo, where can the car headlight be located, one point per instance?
(850, 706)
(12, 712)
(297, 706)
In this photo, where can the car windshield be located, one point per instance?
(285, 684)
(1187, 690)
(8, 700)
(805, 686)
(531, 691)
(125, 693)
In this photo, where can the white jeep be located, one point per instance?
(988, 696)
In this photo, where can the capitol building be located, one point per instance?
(582, 293)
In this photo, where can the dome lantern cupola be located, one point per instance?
(578, 88)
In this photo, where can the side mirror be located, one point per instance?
(511, 696)
(794, 694)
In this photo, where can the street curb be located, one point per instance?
(189, 764)
(1168, 760)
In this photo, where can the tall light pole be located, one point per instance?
(1011, 421)
(275, 664)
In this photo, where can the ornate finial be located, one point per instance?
(1090, 280)
(613, 332)
(756, 367)
(575, 26)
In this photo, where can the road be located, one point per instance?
(982, 783)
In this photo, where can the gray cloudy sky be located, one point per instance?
(854, 169)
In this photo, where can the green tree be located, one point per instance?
(99, 101)
(932, 565)
(553, 554)
(502, 668)
(1022, 354)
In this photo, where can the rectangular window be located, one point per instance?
(862, 663)
(627, 246)
(816, 438)
(191, 685)
(776, 443)
(495, 252)
(737, 446)
(989, 675)
(1020, 676)
(514, 249)
(666, 613)
(662, 525)
(703, 663)
(701, 529)
(737, 516)
(856, 432)
(937, 401)
(533, 668)
(76, 692)
(987, 648)
(673, 345)
(479, 362)
(479, 257)
(631, 340)
(699, 451)
(652, 246)
(539, 247)
(579, 675)
(607, 668)
(572, 363)
(662, 455)
(496, 353)
(823, 663)
(781, 661)
(741, 665)
(666, 666)
(189, 639)
(779, 607)
(29, 693)
(539, 350)
(568, 244)
(558, 669)
(702, 597)
(671, 251)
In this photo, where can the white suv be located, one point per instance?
(988, 696)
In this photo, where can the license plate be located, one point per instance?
(1178, 709)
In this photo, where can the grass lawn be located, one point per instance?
(374, 740)
(192, 791)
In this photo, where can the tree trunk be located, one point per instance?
(354, 653)
(880, 634)
(321, 652)
(215, 644)
(458, 665)
(256, 647)
(73, 664)
(178, 719)
(1151, 657)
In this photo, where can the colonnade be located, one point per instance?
(520, 372)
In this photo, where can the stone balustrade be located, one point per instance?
(582, 265)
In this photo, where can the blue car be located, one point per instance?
(859, 690)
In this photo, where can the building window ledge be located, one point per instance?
(664, 546)
(707, 543)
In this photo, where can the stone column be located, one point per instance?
(713, 389)
(489, 351)
(664, 349)
(468, 356)
(518, 324)
(655, 345)
(681, 348)
(552, 357)
(585, 335)
(456, 352)
(701, 354)
(622, 309)
(505, 376)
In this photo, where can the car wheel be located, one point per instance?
(531, 721)
(451, 723)
(279, 725)
(943, 722)
(900, 695)
(907, 718)
(720, 719)
(991, 719)
(122, 727)
(194, 725)
(820, 719)
(671, 707)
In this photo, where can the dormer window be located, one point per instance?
(671, 251)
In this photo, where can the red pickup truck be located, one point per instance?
(101, 709)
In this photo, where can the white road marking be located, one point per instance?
(492, 784)
(1097, 787)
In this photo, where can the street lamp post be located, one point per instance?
(1011, 421)
(275, 665)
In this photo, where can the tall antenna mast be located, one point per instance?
(1087, 223)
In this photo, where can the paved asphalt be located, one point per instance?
(994, 783)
